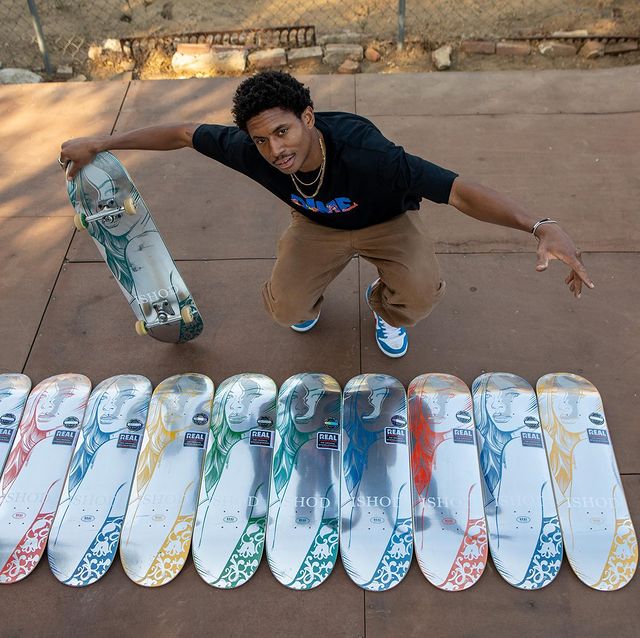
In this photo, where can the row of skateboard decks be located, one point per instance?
(375, 471)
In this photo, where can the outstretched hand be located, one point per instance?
(554, 243)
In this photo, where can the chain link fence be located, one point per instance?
(71, 26)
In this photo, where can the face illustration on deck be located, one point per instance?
(48, 407)
(307, 403)
(437, 406)
(375, 399)
(97, 184)
(566, 401)
(500, 400)
(8, 387)
(114, 407)
(241, 406)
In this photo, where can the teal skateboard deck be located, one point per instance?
(35, 471)
(524, 532)
(376, 538)
(302, 527)
(448, 513)
(109, 206)
(598, 533)
(229, 534)
(14, 390)
(86, 529)
(156, 534)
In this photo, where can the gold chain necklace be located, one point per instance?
(320, 177)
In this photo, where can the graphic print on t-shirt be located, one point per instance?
(336, 205)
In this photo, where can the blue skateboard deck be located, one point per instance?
(86, 529)
(376, 539)
(524, 532)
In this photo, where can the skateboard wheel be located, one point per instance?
(141, 328)
(79, 221)
(129, 206)
(187, 314)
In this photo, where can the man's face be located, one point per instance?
(283, 139)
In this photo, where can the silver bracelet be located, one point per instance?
(546, 220)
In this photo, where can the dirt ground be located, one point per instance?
(416, 57)
(72, 25)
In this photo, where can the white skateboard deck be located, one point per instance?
(14, 390)
(376, 539)
(524, 532)
(86, 529)
(35, 471)
(448, 513)
(156, 534)
(598, 533)
(302, 528)
(229, 533)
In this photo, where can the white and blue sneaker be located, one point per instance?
(394, 342)
(305, 326)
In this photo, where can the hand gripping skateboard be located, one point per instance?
(110, 208)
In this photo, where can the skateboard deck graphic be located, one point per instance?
(35, 470)
(376, 540)
(524, 532)
(448, 514)
(109, 206)
(157, 528)
(14, 390)
(229, 533)
(302, 527)
(86, 529)
(598, 533)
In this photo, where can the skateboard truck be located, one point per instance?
(165, 314)
(109, 212)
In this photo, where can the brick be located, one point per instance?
(620, 47)
(349, 66)
(193, 48)
(373, 55)
(553, 49)
(592, 49)
(346, 37)
(216, 60)
(338, 53)
(304, 54)
(513, 48)
(268, 58)
(478, 46)
(442, 57)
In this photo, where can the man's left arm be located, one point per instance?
(487, 205)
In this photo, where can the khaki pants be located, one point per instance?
(310, 256)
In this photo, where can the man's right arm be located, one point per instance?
(81, 151)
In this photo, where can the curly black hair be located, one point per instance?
(267, 90)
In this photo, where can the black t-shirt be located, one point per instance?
(367, 180)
